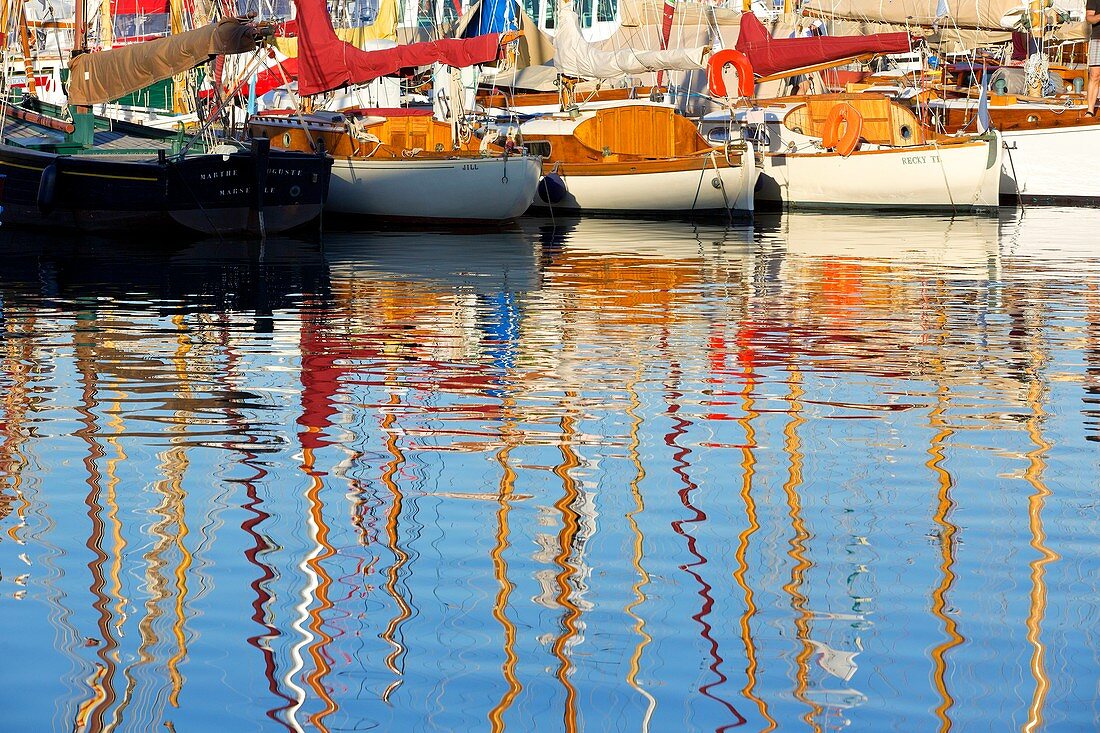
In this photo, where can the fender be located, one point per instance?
(746, 85)
(47, 189)
(831, 136)
(552, 188)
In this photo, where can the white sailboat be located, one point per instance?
(390, 168)
(1036, 132)
(632, 155)
(399, 163)
(641, 158)
(849, 150)
(897, 165)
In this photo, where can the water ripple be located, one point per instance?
(822, 472)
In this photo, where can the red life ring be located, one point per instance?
(831, 137)
(746, 86)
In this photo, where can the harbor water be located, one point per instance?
(822, 472)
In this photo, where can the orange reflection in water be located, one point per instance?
(567, 571)
(500, 573)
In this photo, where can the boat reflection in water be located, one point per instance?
(830, 471)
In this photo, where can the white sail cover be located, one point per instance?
(574, 56)
(982, 14)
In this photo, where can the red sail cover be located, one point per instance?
(325, 62)
(775, 55)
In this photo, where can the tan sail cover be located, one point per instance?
(105, 75)
(948, 39)
(981, 14)
(578, 58)
(1078, 31)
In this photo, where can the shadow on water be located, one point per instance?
(483, 261)
(68, 272)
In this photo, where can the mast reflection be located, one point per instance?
(792, 446)
(681, 467)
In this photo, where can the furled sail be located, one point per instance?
(576, 57)
(384, 28)
(979, 14)
(775, 55)
(534, 47)
(105, 75)
(325, 62)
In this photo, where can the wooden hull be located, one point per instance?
(957, 177)
(208, 193)
(465, 188)
(637, 157)
(702, 184)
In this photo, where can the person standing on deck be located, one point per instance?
(1092, 17)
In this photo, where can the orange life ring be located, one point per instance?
(746, 85)
(831, 137)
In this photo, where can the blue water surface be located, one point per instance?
(824, 472)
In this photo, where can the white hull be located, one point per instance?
(452, 189)
(1052, 165)
(948, 176)
(677, 191)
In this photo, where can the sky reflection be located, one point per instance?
(825, 472)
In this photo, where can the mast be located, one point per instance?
(25, 42)
(83, 121)
(667, 16)
(106, 25)
(179, 81)
(80, 30)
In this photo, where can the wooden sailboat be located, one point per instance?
(399, 163)
(79, 174)
(850, 150)
(1036, 130)
(893, 162)
(638, 157)
(633, 155)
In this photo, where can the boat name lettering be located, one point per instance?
(919, 159)
(248, 189)
(469, 166)
(217, 174)
(285, 172)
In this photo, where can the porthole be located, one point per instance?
(540, 148)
